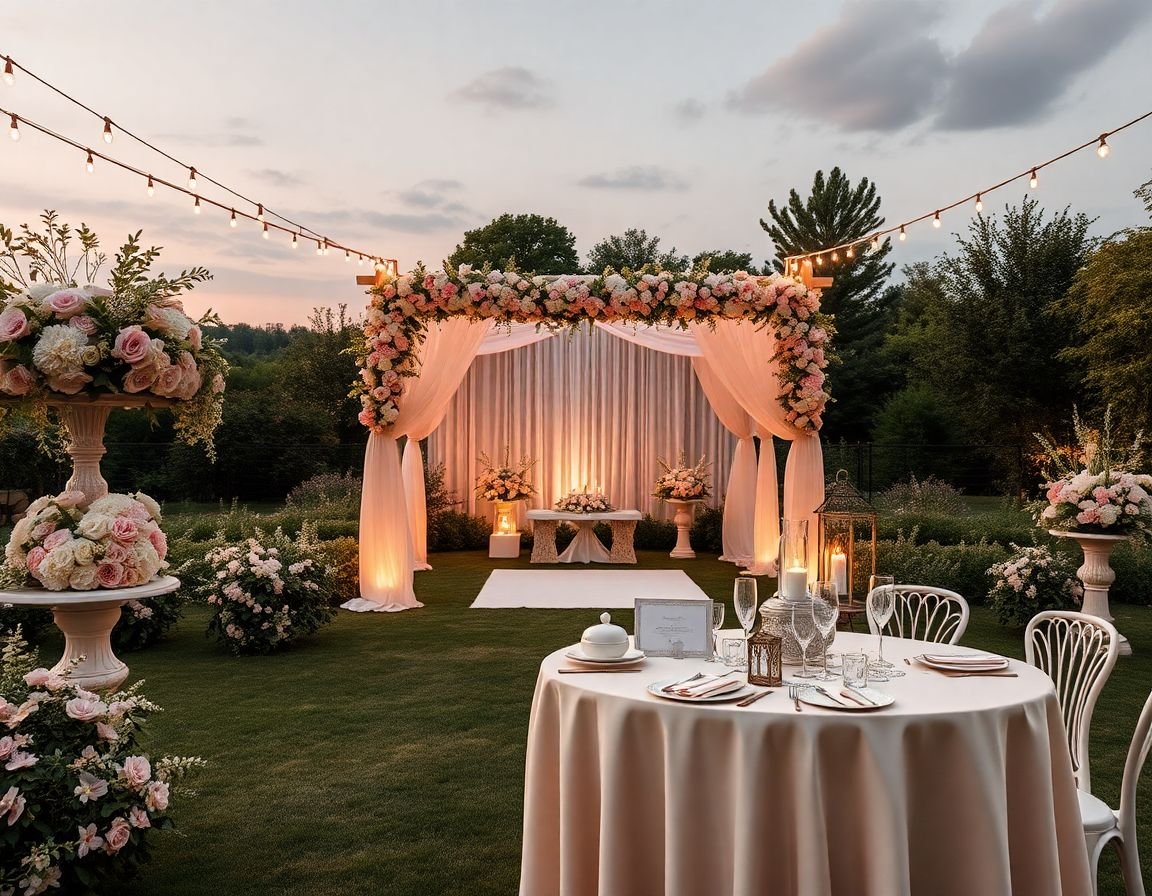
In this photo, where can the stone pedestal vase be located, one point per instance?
(1097, 574)
(685, 510)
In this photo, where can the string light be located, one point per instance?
(936, 222)
(196, 206)
(851, 253)
(151, 188)
(295, 245)
(835, 257)
(1104, 150)
(876, 243)
(14, 128)
(265, 232)
(107, 129)
(979, 203)
(9, 74)
(90, 165)
(903, 235)
(191, 178)
(359, 261)
(1034, 180)
(232, 222)
(347, 256)
(260, 212)
(819, 260)
(319, 249)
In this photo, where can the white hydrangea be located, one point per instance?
(60, 350)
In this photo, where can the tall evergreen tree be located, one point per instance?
(837, 212)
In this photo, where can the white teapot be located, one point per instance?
(604, 641)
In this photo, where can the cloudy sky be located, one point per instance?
(394, 127)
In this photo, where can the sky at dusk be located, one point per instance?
(394, 127)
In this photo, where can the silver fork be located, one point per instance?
(794, 693)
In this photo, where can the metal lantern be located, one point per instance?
(847, 526)
(765, 659)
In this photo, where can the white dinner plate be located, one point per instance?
(631, 656)
(655, 689)
(813, 697)
(972, 662)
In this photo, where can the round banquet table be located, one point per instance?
(962, 786)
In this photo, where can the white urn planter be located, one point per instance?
(1096, 574)
(685, 511)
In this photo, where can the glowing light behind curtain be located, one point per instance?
(591, 408)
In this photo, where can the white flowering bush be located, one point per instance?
(1031, 580)
(78, 798)
(267, 591)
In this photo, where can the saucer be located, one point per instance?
(631, 656)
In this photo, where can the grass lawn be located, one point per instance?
(386, 754)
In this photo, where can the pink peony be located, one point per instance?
(117, 835)
(116, 553)
(66, 303)
(35, 558)
(110, 575)
(85, 709)
(57, 538)
(16, 381)
(132, 345)
(13, 325)
(137, 771)
(124, 530)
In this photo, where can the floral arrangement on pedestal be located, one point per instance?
(402, 306)
(266, 591)
(504, 482)
(1032, 579)
(683, 483)
(116, 543)
(585, 502)
(61, 339)
(79, 798)
(1091, 487)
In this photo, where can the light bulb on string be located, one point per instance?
(191, 178)
(835, 257)
(347, 256)
(1104, 150)
(1033, 180)
(14, 128)
(295, 245)
(260, 212)
(196, 206)
(850, 252)
(151, 188)
(876, 243)
(107, 129)
(903, 235)
(9, 73)
(90, 163)
(819, 261)
(979, 203)
(936, 222)
(319, 248)
(359, 261)
(264, 232)
(232, 222)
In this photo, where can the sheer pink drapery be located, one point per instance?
(741, 357)
(392, 510)
(740, 497)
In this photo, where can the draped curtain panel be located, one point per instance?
(591, 408)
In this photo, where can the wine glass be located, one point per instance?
(744, 602)
(717, 623)
(881, 603)
(803, 630)
(825, 613)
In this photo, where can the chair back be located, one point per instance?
(1078, 652)
(1133, 765)
(924, 613)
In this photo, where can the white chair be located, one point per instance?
(924, 613)
(1102, 825)
(1078, 652)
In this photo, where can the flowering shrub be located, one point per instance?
(267, 591)
(922, 496)
(400, 309)
(504, 482)
(681, 483)
(584, 502)
(77, 796)
(143, 622)
(58, 338)
(117, 543)
(1031, 580)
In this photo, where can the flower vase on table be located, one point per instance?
(683, 487)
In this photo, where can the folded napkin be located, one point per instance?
(856, 696)
(967, 661)
(709, 686)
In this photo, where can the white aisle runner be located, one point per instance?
(566, 588)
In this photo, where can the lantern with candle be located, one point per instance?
(846, 537)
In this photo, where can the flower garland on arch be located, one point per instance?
(401, 307)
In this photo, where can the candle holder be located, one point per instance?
(846, 538)
(793, 582)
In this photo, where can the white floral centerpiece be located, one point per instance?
(584, 502)
(79, 799)
(1092, 488)
(60, 339)
(504, 482)
(116, 543)
(683, 483)
(1032, 579)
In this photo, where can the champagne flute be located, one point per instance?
(744, 602)
(881, 603)
(825, 613)
(717, 623)
(803, 630)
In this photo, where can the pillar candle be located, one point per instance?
(794, 583)
(840, 572)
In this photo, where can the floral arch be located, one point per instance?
(761, 346)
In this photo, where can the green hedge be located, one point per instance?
(962, 568)
(999, 527)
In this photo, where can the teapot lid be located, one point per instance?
(605, 632)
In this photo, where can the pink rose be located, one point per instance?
(68, 383)
(116, 553)
(137, 770)
(124, 530)
(104, 731)
(69, 499)
(12, 805)
(7, 746)
(37, 678)
(160, 542)
(13, 325)
(56, 539)
(157, 798)
(139, 513)
(85, 709)
(132, 345)
(195, 338)
(117, 835)
(67, 303)
(16, 381)
(169, 381)
(109, 574)
(35, 558)
(138, 818)
(140, 378)
(83, 323)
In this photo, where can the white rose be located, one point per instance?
(83, 551)
(149, 504)
(96, 526)
(84, 578)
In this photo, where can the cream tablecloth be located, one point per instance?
(963, 786)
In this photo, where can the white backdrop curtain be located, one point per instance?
(740, 355)
(388, 527)
(591, 409)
